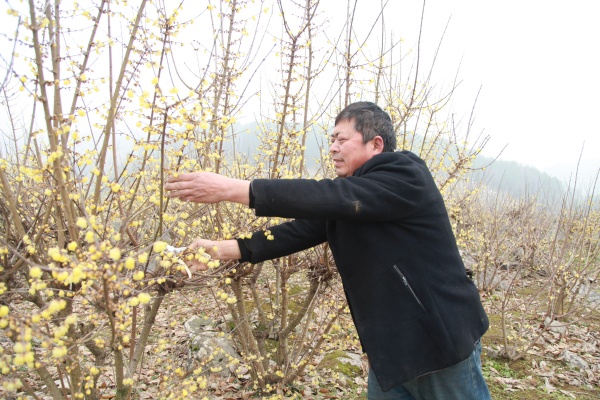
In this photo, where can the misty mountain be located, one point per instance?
(508, 177)
(516, 179)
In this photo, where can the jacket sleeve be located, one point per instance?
(379, 192)
(282, 240)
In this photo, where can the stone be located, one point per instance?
(352, 359)
(556, 326)
(210, 347)
(574, 360)
(196, 325)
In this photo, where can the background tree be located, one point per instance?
(101, 102)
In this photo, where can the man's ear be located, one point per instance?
(377, 143)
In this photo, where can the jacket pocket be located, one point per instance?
(408, 287)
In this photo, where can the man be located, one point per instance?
(418, 315)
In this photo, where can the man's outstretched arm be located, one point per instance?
(208, 187)
(286, 238)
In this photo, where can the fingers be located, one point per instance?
(198, 187)
(198, 255)
(196, 266)
(176, 185)
(180, 182)
(187, 176)
(176, 193)
(205, 243)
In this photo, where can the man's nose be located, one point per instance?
(333, 147)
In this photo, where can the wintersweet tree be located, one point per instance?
(101, 103)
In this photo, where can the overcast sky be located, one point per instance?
(537, 63)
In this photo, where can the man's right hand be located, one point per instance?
(208, 187)
(205, 250)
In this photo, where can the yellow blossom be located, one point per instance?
(144, 298)
(130, 263)
(53, 307)
(59, 352)
(143, 258)
(89, 236)
(82, 222)
(3, 311)
(76, 276)
(56, 254)
(159, 246)
(35, 272)
(138, 276)
(115, 254)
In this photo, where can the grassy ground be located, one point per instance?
(541, 374)
(524, 379)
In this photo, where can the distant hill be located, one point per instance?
(516, 179)
(587, 172)
(504, 176)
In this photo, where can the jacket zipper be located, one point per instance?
(410, 289)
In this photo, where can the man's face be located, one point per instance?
(348, 150)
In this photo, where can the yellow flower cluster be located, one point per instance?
(23, 355)
(53, 307)
(142, 298)
(226, 297)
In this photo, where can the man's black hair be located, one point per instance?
(370, 120)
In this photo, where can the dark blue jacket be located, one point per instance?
(414, 307)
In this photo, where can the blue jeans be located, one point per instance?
(462, 381)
